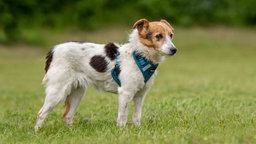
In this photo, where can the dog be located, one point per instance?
(128, 70)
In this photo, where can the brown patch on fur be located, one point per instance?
(99, 63)
(111, 50)
(48, 58)
(167, 24)
(152, 41)
(153, 34)
(67, 108)
(140, 24)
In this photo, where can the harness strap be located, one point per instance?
(116, 70)
(146, 67)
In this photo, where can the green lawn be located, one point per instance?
(204, 94)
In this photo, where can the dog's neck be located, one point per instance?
(149, 53)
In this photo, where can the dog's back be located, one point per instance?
(85, 62)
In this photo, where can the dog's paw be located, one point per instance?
(68, 121)
(136, 123)
(36, 128)
(121, 124)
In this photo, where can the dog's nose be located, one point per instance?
(173, 51)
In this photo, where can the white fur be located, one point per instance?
(70, 74)
(167, 46)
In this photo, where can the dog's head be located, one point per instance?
(157, 35)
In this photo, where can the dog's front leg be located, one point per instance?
(138, 103)
(124, 97)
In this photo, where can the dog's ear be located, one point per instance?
(166, 22)
(140, 24)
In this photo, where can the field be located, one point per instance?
(204, 94)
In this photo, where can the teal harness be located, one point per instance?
(146, 67)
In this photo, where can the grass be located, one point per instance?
(204, 94)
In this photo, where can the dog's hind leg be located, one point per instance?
(54, 95)
(72, 101)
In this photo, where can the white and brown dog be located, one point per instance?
(128, 70)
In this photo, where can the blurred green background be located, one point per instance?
(19, 15)
(203, 94)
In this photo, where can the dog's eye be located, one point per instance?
(159, 37)
(171, 35)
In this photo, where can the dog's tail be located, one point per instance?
(48, 61)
